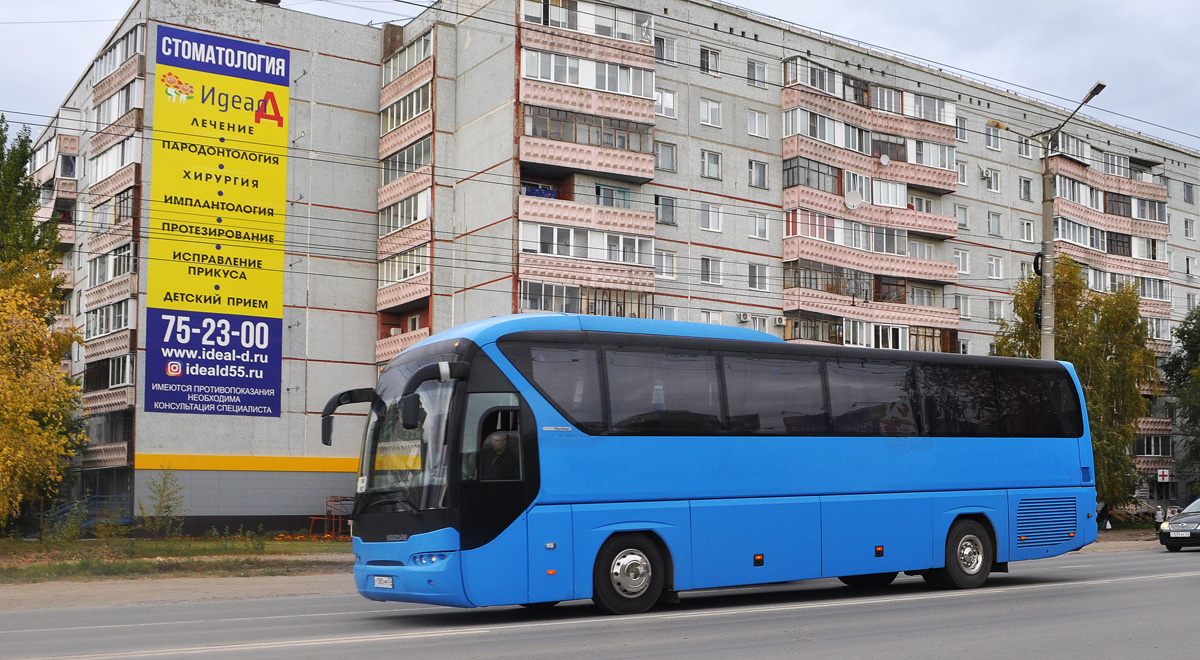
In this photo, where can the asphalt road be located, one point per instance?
(1105, 605)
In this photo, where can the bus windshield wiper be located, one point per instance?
(398, 500)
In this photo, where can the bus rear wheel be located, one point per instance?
(969, 557)
(869, 581)
(629, 575)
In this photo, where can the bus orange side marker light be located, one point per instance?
(1020, 538)
(1072, 534)
(552, 572)
(758, 560)
(1089, 515)
(879, 551)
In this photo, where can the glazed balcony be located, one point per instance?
(111, 345)
(106, 401)
(133, 67)
(124, 126)
(1154, 308)
(406, 185)
(587, 101)
(403, 293)
(919, 176)
(883, 216)
(596, 274)
(388, 347)
(1153, 425)
(833, 304)
(412, 79)
(119, 232)
(111, 455)
(883, 122)
(1064, 165)
(587, 46)
(406, 134)
(1113, 262)
(565, 157)
(802, 247)
(123, 178)
(405, 239)
(589, 216)
(118, 288)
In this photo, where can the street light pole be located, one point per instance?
(1046, 139)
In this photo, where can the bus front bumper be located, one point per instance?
(423, 569)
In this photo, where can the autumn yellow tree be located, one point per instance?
(39, 427)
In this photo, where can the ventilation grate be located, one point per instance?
(1045, 522)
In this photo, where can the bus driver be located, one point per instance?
(500, 463)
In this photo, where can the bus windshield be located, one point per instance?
(407, 467)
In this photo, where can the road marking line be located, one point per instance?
(184, 622)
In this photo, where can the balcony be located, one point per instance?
(595, 274)
(863, 117)
(123, 178)
(118, 288)
(881, 216)
(1113, 262)
(588, 46)
(412, 79)
(133, 67)
(403, 293)
(388, 347)
(111, 455)
(406, 134)
(62, 323)
(405, 239)
(119, 232)
(67, 274)
(406, 185)
(589, 216)
(833, 304)
(801, 247)
(124, 126)
(106, 401)
(1061, 164)
(587, 101)
(111, 345)
(562, 158)
(918, 176)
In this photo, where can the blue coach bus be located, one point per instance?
(534, 459)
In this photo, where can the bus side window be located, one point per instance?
(486, 413)
(871, 398)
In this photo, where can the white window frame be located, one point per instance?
(759, 176)
(710, 113)
(757, 278)
(991, 138)
(756, 73)
(756, 123)
(710, 217)
(710, 270)
(710, 164)
(995, 267)
(962, 259)
(758, 225)
(664, 103)
(1027, 230)
(664, 265)
(710, 61)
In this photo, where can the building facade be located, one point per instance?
(681, 160)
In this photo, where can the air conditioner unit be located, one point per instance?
(743, 317)
(392, 332)
(985, 173)
(779, 321)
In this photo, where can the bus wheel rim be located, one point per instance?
(630, 573)
(970, 554)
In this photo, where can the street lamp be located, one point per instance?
(1046, 138)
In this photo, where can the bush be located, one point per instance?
(165, 519)
(68, 527)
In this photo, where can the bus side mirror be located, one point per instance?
(410, 405)
(361, 395)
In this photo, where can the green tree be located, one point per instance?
(19, 195)
(1104, 337)
(163, 517)
(1182, 370)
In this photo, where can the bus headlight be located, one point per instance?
(425, 559)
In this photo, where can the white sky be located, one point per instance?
(1144, 51)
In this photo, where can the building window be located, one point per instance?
(920, 204)
(664, 264)
(405, 212)
(894, 337)
(1189, 228)
(963, 305)
(629, 249)
(664, 210)
(120, 371)
(710, 164)
(710, 61)
(921, 296)
(758, 277)
(929, 108)
(664, 156)
(610, 196)
(758, 323)
(710, 217)
(664, 103)
(409, 159)
(129, 44)
(995, 310)
(710, 316)
(931, 154)
(993, 179)
(886, 99)
(799, 171)
(920, 250)
(991, 137)
(664, 313)
(409, 107)
(1025, 188)
(1190, 301)
(961, 213)
(960, 132)
(889, 193)
(404, 266)
(995, 265)
(858, 139)
(756, 73)
(568, 126)
(962, 259)
(856, 333)
(552, 67)
(1027, 231)
(962, 172)
(892, 146)
(758, 225)
(664, 50)
(710, 270)
(1116, 164)
(106, 319)
(758, 174)
(405, 59)
(547, 297)
(1189, 193)
(621, 79)
(756, 123)
(994, 223)
(1023, 149)
(710, 113)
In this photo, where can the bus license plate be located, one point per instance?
(383, 582)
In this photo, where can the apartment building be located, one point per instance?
(682, 160)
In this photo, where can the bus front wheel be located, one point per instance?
(969, 557)
(629, 575)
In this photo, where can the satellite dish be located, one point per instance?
(884, 159)
(854, 199)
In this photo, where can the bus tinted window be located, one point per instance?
(958, 400)
(663, 393)
(870, 398)
(773, 396)
(1038, 404)
(570, 379)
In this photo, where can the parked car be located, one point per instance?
(1181, 529)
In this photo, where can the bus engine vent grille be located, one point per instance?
(1045, 521)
